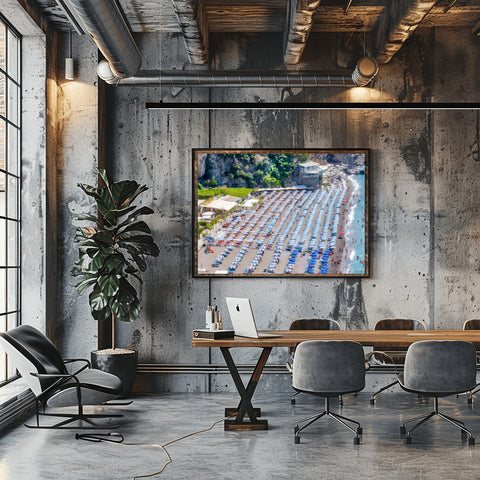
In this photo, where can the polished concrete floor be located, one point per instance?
(326, 450)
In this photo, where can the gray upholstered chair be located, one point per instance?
(473, 324)
(438, 368)
(328, 369)
(394, 355)
(45, 372)
(308, 324)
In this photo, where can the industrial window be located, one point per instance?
(10, 113)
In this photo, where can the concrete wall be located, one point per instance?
(423, 190)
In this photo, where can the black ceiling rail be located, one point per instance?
(313, 106)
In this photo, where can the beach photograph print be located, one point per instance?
(280, 213)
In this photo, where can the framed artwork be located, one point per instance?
(280, 213)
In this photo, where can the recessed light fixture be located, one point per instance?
(365, 71)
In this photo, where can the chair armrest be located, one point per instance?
(61, 378)
(81, 369)
(369, 356)
(71, 360)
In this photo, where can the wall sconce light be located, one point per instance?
(69, 70)
(365, 71)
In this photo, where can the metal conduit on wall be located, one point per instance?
(237, 79)
(105, 23)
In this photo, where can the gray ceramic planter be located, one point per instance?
(119, 362)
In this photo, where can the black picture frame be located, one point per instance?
(278, 213)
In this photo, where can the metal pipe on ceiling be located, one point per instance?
(224, 79)
(105, 23)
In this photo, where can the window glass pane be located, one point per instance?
(2, 143)
(12, 320)
(13, 152)
(3, 87)
(12, 55)
(3, 290)
(12, 250)
(11, 289)
(3, 362)
(3, 200)
(3, 241)
(2, 46)
(12, 102)
(12, 197)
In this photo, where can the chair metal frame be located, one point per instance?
(339, 418)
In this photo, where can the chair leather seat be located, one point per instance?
(95, 385)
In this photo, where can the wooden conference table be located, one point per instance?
(291, 338)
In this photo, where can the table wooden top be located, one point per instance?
(291, 338)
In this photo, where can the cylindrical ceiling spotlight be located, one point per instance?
(365, 71)
(69, 68)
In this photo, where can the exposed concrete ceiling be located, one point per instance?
(390, 21)
(269, 15)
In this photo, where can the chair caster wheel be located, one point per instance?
(292, 401)
(356, 441)
(296, 439)
(360, 431)
(372, 401)
(408, 440)
(471, 441)
(403, 430)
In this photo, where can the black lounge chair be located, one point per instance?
(45, 372)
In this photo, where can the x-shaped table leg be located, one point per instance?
(245, 406)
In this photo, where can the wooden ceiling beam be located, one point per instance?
(193, 24)
(395, 25)
(297, 29)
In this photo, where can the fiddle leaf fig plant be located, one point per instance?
(114, 250)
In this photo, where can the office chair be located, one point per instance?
(328, 369)
(472, 324)
(44, 371)
(394, 355)
(438, 368)
(309, 324)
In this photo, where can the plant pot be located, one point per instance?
(119, 362)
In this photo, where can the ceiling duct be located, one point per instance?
(203, 78)
(108, 28)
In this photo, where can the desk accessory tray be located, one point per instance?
(213, 334)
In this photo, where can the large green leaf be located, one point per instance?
(90, 218)
(115, 213)
(140, 261)
(82, 285)
(140, 226)
(140, 243)
(114, 263)
(123, 192)
(126, 293)
(109, 284)
(98, 301)
(104, 238)
(126, 312)
(137, 213)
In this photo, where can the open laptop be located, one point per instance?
(243, 322)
